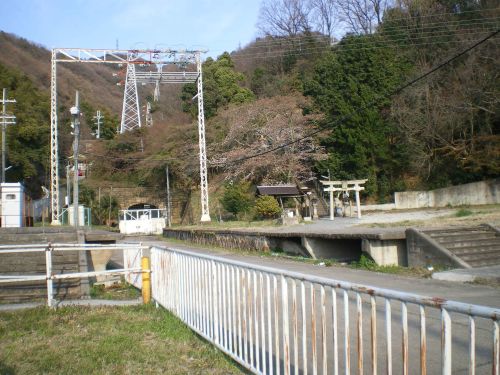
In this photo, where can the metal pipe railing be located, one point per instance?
(273, 321)
(132, 252)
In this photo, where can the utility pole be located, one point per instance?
(6, 120)
(149, 115)
(75, 113)
(98, 117)
(169, 207)
(68, 184)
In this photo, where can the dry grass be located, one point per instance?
(124, 340)
(461, 216)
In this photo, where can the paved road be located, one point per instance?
(473, 294)
(468, 293)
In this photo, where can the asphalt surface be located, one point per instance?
(462, 292)
(434, 289)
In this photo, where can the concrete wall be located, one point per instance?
(475, 193)
(222, 239)
(383, 251)
(423, 251)
(386, 252)
(34, 263)
(129, 196)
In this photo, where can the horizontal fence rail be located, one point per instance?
(277, 322)
(142, 214)
(132, 254)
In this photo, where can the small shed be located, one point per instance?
(277, 191)
(280, 192)
(12, 205)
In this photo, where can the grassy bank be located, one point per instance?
(125, 340)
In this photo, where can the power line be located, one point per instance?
(363, 45)
(155, 159)
(346, 117)
(312, 51)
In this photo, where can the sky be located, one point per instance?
(216, 25)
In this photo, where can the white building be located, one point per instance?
(12, 205)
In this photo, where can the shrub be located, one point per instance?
(267, 207)
(236, 198)
(463, 212)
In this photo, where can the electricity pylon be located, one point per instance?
(131, 117)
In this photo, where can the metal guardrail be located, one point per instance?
(131, 252)
(273, 321)
(147, 213)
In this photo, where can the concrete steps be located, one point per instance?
(477, 246)
(323, 209)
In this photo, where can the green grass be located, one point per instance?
(463, 212)
(368, 264)
(231, 224)
(105, 340)
(118, 291)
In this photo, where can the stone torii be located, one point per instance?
(350, 185)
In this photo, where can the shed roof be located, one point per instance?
(279, 190)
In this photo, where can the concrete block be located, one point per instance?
(386, 252)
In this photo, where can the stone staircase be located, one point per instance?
(323, 209)
(477, 246)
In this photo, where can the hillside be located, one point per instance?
(411, 104)
(94, 81)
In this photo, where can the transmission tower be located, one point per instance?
(131, 117)
(205, 214)
(156, 94)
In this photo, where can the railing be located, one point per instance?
(142, 214)
(273, 321)
(132, 252)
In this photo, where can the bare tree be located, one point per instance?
(362, 16)
(324, 15)
(262, 126)
(283, 17)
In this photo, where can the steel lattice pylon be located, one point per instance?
(54, 148)
(180, 58)
(131, 117)
(205, 214)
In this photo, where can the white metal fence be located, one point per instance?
(275, 322)
(132, 267)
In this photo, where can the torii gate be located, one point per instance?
(350, 185)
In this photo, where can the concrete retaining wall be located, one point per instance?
(32, 264)
(423, 251)
(340, 247)
(226, 240)
(475, 193)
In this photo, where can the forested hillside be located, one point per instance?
(329, 86)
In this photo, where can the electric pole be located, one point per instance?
(75, 113)
(98, 117)
(6, 120)
(169, 207)
(68, 184)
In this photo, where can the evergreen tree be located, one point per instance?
(352, 86)
(221, 86)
